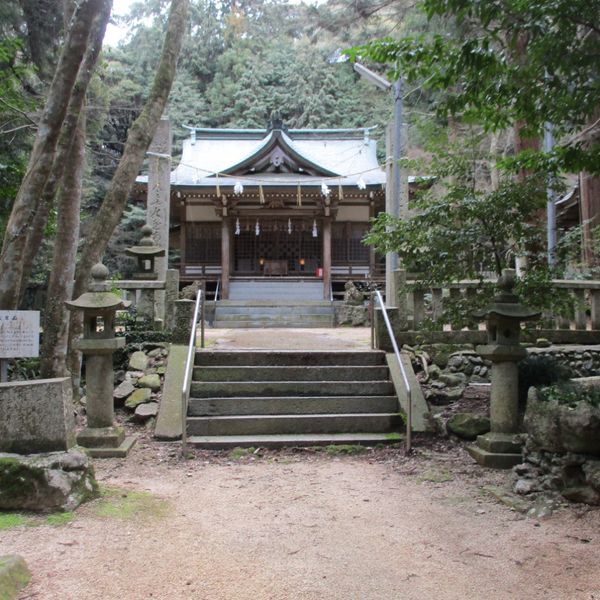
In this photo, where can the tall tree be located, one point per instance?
(68, 132)
(43, 152)
(71, 152)
(139, 137)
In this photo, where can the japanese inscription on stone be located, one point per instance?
(19, 333)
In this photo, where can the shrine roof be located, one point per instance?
(278, 157)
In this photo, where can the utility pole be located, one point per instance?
(550, 205)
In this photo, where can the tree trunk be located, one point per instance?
(139, 137)
(42, 154)
(86, 70)
(60, 285)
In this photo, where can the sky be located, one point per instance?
(115, 34)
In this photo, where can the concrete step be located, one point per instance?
(275, 290)
(281, 405)
(284, 310)
(293, 440)
(272, 303)
(286, 373)
(282, 424)
(318, 317)
(229, 389)
(227, 358)
(273, 324)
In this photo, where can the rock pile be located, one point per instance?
(450, 372)
(580, 362)
(140, 384)
(575, 477)
(353, 311)
(561, 454)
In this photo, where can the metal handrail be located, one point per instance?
(217, 290)
(402, 369)
(189, 365)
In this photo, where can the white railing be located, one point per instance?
(379, 298)
(189, 366)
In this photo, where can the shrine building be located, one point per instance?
(275, 203)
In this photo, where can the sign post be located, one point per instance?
(19, 337)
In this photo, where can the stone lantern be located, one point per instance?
(99, 306)
(145, 253)
(503, 323)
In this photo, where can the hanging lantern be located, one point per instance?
(237, 227)
(289, 226)
(360, 184)
(257, 228)
(325, 189)
(315, 231)
(238, 188)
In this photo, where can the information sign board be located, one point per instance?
(19, 333)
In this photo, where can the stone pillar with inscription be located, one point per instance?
(159, 193)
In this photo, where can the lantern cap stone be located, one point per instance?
(99, 298)
(146, 246)
(506, 303)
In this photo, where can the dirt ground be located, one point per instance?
(307, 525)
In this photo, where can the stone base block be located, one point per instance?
(499, 443)
(101, 437)
(120, 451)
(14, 576)
(494, 460)
(46, 482)
(496, 451)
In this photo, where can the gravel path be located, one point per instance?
(306, 525)
(310, 526)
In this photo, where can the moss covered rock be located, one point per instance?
(138, 397)
(46, 482)
(14, 576)
(468, 425)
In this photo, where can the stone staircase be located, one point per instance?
(274, 303)
(291, 398)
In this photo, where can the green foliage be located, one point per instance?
(510, 62)
(58, 519)
(462, 227)
(539, 370)
(10, 520)
(570, 394)
(345, 449)
(128, 505)
(24, 369)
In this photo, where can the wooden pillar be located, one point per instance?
(225, 257)
(589, 190)
(182, 236)
(371, 247)
(326, 257)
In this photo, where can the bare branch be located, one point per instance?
(28, 126)
(18, 110)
